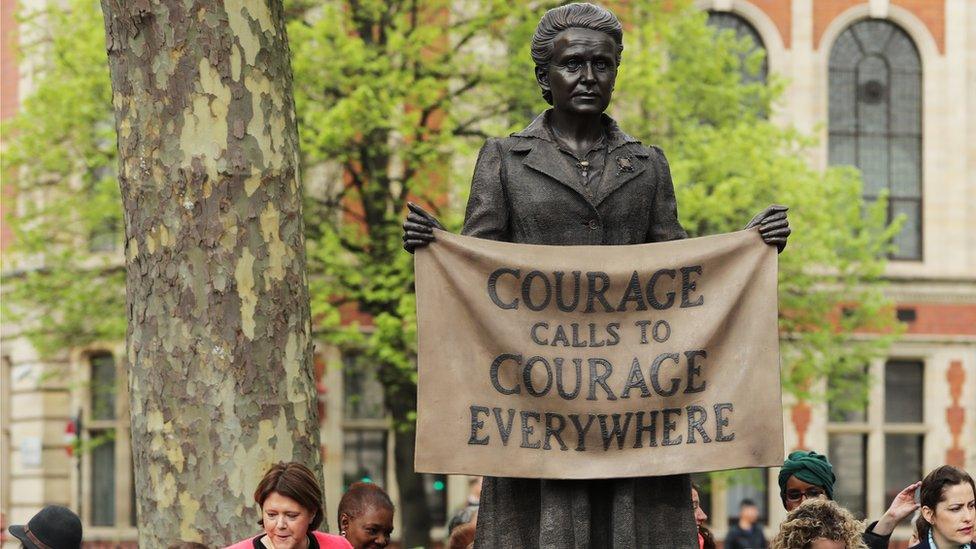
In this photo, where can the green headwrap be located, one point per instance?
(809, 467)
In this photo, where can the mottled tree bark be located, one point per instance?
(219, 334)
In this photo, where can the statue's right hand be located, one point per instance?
(418, 228)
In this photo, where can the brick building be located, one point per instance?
(888, 85)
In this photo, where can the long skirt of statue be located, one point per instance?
(626, 513)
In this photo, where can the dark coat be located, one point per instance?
(523, 191)
(875, 541)
(737, 538)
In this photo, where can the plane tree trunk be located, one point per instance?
(219, 338)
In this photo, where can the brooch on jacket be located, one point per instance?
(624, 165)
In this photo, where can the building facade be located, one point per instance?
(889, 86)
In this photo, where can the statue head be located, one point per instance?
(576, 49)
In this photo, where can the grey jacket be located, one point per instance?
(522, 191)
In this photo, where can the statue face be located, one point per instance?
(582, 71)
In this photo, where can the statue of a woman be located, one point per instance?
(572, 177)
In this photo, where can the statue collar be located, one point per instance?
(539, 129)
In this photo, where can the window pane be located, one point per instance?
(872, 96)
(105, 236)
(843, 90)
(846, 53)
(729, 21)
(873, 34)
(363, 457)
(906, 103)
(435, 489)
(886, 97)
(873, 161)
(903, 464)
(842, 150)
(103, 387)
(102, 479)
(906, 164)
(847, 397)
(908, 240)
(903, 391)
(902, 53)
(746, 484)
(848, 454)
(363, 391)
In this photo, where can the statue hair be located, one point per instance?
(576, 15)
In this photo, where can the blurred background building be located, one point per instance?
(889, 86)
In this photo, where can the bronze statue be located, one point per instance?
(572, 177)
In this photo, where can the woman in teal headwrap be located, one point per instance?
(805, 475)
(809, 475)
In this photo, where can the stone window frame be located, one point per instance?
(368, 423)
(934, 70)
(777, 54)
(742, 27)
(382, 424)
(6, 439)
(124, 528)
(875, 429)
(841, 27)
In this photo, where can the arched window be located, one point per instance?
(722, 20)
(875, 120)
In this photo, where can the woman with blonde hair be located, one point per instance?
(819, 524)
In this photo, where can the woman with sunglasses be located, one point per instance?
(809, 475)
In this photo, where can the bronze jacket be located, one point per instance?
(523, 191)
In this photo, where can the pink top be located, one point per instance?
(325, 541)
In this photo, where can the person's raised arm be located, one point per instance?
(903, 505)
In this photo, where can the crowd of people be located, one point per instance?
(945, 512)
(290, 502)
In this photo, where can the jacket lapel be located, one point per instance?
(626, 159)
(546, 159)
(623, 164)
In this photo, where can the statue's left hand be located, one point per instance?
(773, 225)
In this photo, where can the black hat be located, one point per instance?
(54, 527)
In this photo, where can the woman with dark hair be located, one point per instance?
(290, 499)
(573, 177)
(366, 516)
(948, 513)
(706, 540)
